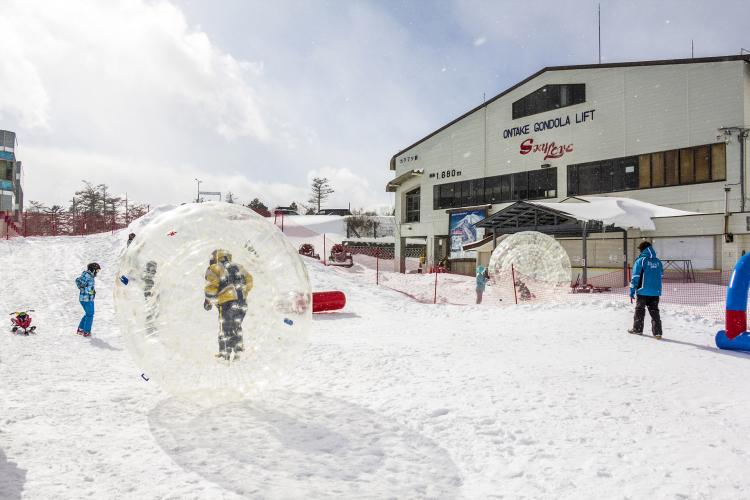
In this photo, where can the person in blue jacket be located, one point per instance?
(481, 283)
(86, 295)
(645, 287)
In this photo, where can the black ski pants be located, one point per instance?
(652, 304)
(231, 315)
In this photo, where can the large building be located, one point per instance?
(669, 132)
(11, 191)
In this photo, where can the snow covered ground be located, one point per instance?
(393, 399)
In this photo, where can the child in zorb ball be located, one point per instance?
(227, 286)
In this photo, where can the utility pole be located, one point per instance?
(198, 198)
(599, 15)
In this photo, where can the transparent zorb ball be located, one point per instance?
(213, 301)
(529, 267)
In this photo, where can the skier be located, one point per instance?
(646, 285)
(481, 282)
(86, 295)
(227, 286)
(131, 237)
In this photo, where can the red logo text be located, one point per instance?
(550, 149)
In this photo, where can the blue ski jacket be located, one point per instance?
(481, 278)
(85, 283)
(647, 274)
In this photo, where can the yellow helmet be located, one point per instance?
(220, 255)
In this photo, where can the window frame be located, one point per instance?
(409, 198)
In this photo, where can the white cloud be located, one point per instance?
(480, 41)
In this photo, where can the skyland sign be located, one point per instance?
(551, 150)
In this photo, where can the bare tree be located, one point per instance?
(36, 206)
(321, 190)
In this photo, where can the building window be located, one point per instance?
(412, 206)
(530, 185)
(667, 168)
(548, 98)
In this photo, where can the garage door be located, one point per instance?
(699, 249)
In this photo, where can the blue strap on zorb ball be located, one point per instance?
(124, 280)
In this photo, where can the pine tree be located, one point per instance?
(321, 190)
(259, 207)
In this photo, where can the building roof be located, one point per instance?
(661, 62)
(335, 211)
(393, 185)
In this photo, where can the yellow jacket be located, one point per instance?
(227, 283)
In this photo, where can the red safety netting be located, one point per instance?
(69, 224)
(702, 293)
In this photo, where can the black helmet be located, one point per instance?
(94, 268)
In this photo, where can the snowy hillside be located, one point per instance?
(393, 399)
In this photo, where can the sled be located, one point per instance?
(340, 257)
(307, 250)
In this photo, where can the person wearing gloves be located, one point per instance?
(227, 286)
(86, 294)
(482, 276)
(645, 288)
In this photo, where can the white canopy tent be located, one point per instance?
(578, 217)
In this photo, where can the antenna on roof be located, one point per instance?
(599, 13)
(692, 50)
(484, 96)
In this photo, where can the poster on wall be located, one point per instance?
(462, 232)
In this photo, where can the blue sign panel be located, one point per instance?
(462, 231)
(7, 155)
(6, 185)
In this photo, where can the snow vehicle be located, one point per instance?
(21, 322)
(307, 250)
(340, 257)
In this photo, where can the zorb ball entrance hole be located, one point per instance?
(215, 303)
(529, 267)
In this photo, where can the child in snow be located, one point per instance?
(227, 286)
(86, 295)
(481, 283)
(131, 237)
(646, 285)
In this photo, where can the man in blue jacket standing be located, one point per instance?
(646, 286)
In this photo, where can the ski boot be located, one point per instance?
(635, 332)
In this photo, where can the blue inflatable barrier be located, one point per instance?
(740, 343)
(735, 336)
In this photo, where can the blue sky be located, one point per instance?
(257, 97)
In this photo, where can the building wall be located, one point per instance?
(636, 110)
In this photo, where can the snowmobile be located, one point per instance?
(340, 257)
(21, 322)
(307, 250)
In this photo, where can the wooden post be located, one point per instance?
(324, 243)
